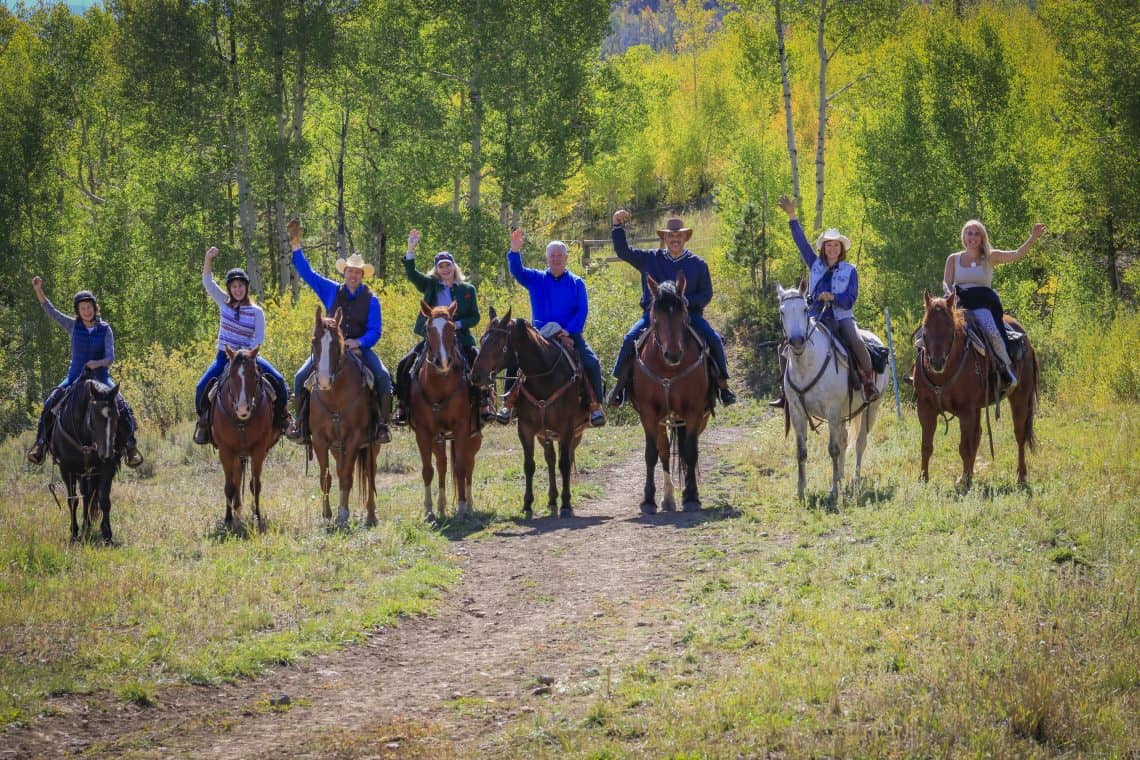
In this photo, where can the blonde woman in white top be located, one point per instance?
(970, 273)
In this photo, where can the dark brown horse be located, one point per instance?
(241, 425)
(442, 410)
(671, 394)
(339, 419)
(553, 402)
(83, 445)
(951, 378)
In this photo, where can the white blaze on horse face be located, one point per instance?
(438, 324)
(110, 432)
(242, 400)
(324, 371)
(793, 316)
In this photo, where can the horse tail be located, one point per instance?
(1034, 392)
(365, 471)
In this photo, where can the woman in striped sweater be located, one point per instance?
(242, 325)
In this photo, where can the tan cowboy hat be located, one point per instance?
(675, 225)
(356, 261)
(833, 234)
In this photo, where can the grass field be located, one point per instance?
(913, 621)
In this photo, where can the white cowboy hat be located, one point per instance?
(356, 261)
(833, 234)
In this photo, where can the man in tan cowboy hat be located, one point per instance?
(362, 329)
(662, 264)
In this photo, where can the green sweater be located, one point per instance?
(466, 312)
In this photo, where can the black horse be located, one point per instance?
(83, 445)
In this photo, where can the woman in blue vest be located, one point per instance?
(241, 326)
(362, 329)
(441, 285)
(92, 349)
(833, 286)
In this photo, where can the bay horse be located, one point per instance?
(672, 395)
(813, 390)
(83, 445)
(553, 403)
(442, 410)
(951, 378)
(241, 426)
(339, 419)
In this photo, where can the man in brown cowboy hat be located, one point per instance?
(362, 328)
(666, 263)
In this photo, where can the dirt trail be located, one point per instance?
(564, 599)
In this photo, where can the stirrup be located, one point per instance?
(133, 457)
(503, 416)
(36, 453)
(727, 397)
(617, 396)
(778, 403)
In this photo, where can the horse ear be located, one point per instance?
(803, 286)
(424, 308)
(493, 315)
(681, 283)
(339, 316)
(451, 309)
(952, 301)
(926, 297)
(230, 353)
(253, 352)
(114, 391)
(652, 283)
(779, 291)
(318, 318)
(507, 316)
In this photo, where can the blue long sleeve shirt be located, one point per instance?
(326, 291)
(560, 299)
(844, 300)
(659, 265)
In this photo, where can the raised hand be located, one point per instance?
(621, 216)
(212, 253)
(413, 239)
(788, 206)
(38, 282)
(1038, 231)
(517, 238)
(295, 232)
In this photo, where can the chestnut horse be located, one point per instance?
(553, 399)
(339, 419)
(241, 426)
(442, 410)
(951, 378)
(83, 445)
(672, 395)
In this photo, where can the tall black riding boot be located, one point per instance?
(382, 412)
(622, 376)
(299, 431)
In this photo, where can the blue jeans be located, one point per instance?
(219, 366)
(706, 331)
(371, 360)
(590, 364)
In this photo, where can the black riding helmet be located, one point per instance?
(237, 273)
(84, 295)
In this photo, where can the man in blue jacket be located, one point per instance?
(362, 328)
(558, 307)
(663, 264)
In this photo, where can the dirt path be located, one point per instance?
(567, 600)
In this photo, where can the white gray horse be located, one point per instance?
(816, 386)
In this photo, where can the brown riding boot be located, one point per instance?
(36, 452)
(202, 429)
(507, 413)
(870, 392)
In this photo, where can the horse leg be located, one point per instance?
(565, 459)
(441, 466)
(368, 481)
(459, 468)
(231, 469)
(256, 460)
(86, 491)
(970, 426)
(345, 465)
(528, 470)
(689, 454)
(322, 453)
(648, 499)
(837, 448)
(424, 444)
(550, 455)
(103, 496)
(928, 418)
(71, 483)
(665, 455)
(866, 421)
(1020, 407)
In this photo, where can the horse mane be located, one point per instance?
(957, 316)
(440, 311)
(668, 298)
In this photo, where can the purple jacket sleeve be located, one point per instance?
(846, 299)
(322, 286)
(524, 275)
(807, 253)
(632, 256)
(700, 292)
(576, 324)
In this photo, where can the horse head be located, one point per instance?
(442, 346)
(942, 323)
(494, 348)
(794, 316)
(328, 347)
(241, 382)
(669, 316)
(101, 418)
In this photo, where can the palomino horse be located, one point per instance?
(83, 445)
(241, 426)
(339, 419)
(950, 378)
(442, 410)
(672, 394)
(553, 404)
(814, 391)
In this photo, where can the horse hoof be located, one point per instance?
(691, 506)
(668, 505)
(528, 513)
(370, 522)
(648, 508)
(566, 512)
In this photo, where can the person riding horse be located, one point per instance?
(241, 325)
(662, 264)
(559, 306)
(93, 349)
(832, 282)
(362, 329)
(970, 274)
(442, 285)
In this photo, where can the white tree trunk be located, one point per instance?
(792, 155)
(821, 134)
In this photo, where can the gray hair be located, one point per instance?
(557, 244)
